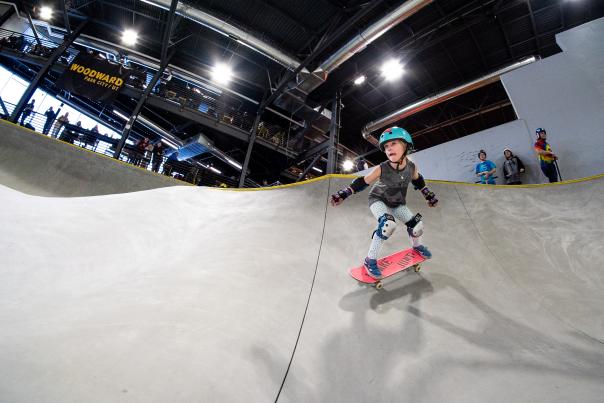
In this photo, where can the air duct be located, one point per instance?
(426, 103)
(360, 42)
(226, 29)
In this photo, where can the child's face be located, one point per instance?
(507, 154)
(482, 156)
(395, 149)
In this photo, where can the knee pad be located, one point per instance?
(386, 226)
(415, 226)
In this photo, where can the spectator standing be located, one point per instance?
(362, 164)
(29, 108)
(139, 151)
(485, 169)
(512, 168)
(50, 118)
(547, 158)
(157, 156)
(59, 123)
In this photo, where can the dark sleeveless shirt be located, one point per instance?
(391, 187)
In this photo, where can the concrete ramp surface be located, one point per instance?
(187, 294)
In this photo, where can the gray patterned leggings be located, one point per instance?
(401, 213)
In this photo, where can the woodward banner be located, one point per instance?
(94, 78)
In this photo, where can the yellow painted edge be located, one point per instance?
(96, 154)
(529, 185)
(301, 183)
(349, 176)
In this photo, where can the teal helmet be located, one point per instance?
(394, 133)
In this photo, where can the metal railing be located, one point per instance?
(151, 157)
(27, 44)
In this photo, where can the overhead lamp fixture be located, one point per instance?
(222, 73)
(347, 165)
(215, 170)
(234, 163)
(121, 115)
(359, 80)
(317, 169)
(45, 13)
(129, 37)
(392, 70)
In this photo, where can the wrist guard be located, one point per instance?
(358, 185)
(344, 193)
(419, 183)
(429, 196)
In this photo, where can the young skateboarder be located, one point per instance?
(387, 197)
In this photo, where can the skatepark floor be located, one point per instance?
(190, 294)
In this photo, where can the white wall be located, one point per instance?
(565, 95)
(14, 23)
(456, 160)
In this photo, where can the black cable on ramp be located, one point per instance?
(312, 285)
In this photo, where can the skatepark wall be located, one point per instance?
(38, 165)
(565, 95)
(456, 160)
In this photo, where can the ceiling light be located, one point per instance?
(234, 163)
(45, 13)
(392, 70)
(215, 170)
(129, 37)
(222, 73)
(347, 165)
(121, 115)
(317, 169)
(359, 80)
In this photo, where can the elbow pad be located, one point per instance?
(419, 183)
(358, 185)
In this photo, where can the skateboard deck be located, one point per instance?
(389, 265)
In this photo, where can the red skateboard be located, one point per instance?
(389, 265)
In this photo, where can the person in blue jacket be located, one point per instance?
(485, 169)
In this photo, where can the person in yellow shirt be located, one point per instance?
(547, 158)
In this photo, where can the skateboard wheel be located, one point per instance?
(416, 268)
(378, 285)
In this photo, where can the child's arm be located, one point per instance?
(420, 184)
(357, 185)
(520, 165)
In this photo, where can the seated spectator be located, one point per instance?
(485, 169)
(89, 138)
(170, 163)
(512, 168)
(14, 42)
(547, 158)
(70, 133)
(262, 130)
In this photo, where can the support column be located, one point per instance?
(309, 167)
(3, 107)
(334, 130)
(67, 41)
(139, 106)
(6, 16)
(33, 29)
(250, 146)
(164, 61)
